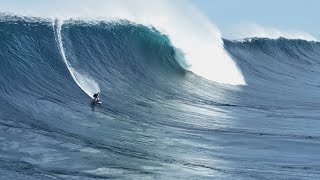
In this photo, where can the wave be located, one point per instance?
(193, 34)
(278, 62)
(158, 119)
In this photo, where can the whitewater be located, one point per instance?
(214, 109)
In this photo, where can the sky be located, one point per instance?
(286, 15)
(236, 19)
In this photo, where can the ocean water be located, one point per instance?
(158, 119)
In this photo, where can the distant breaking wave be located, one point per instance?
(248, 30)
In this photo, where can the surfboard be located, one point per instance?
(97, 102)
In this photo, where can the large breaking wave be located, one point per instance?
(158, 119)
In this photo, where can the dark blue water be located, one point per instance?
(157, 120)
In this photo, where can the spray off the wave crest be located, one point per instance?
(191, 32)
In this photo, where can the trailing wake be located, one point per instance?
(88, 85)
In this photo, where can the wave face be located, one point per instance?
(157, 120)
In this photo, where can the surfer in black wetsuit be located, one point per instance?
(97, 97)
(96, 100)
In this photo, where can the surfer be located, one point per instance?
(97, 97)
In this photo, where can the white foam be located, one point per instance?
(247, 30)
(188, 30)
(86, 83)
